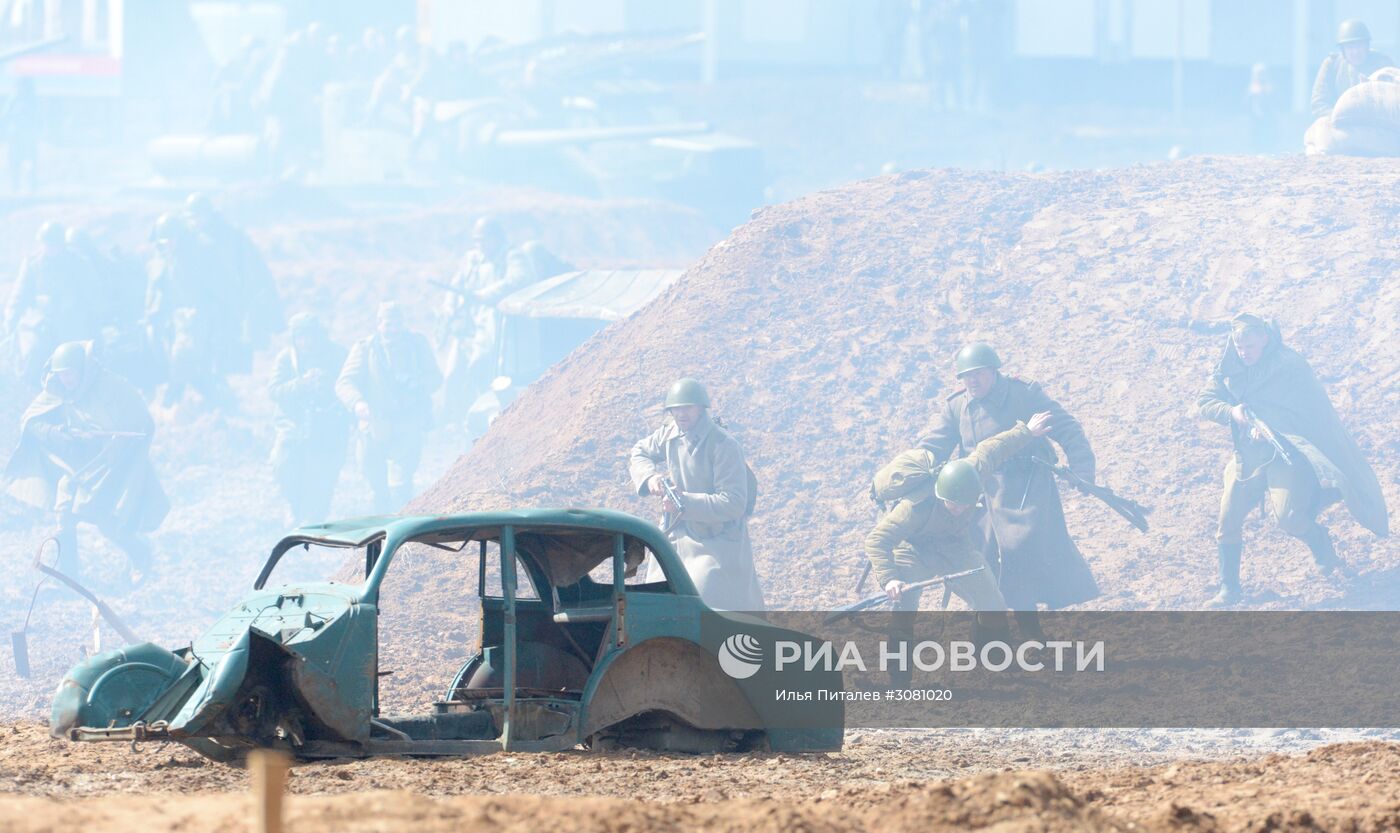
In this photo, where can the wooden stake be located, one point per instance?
(269, 769)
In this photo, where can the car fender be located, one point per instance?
(668, 674)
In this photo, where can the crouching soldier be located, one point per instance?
(1289, 446)
(927, 532)
(84, 454)
(716, 493)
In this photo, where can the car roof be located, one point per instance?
(360, 531)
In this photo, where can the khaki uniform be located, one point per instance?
(1336, 76)
(712, 535)
(396, 380)
(939, 542)
(313, 428)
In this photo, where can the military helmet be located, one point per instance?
(51, 233)
(687, 392)
(305, 323)
(1353, 31)
(198, 205)
(169, 226)
(71, 355)
(959, 483)
(976, 356)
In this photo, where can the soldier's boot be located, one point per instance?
(1028, 626)
(990, 626)
(1319, 540)
(1230, 592)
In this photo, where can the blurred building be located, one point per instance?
(1159, 53)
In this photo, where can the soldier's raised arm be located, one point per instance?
(993, 452)
(1067, 433)
(730, 498)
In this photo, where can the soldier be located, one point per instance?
(256, 309)
(387, 383)
(191, 305)
(470, 335)
(1351, 64)
(705, 468)
(53, 301)
(1023, 530)
(84, 454)
(936, 531)
(1261, 387)
(312, 426)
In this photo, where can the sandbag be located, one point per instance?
(1325, 139)
(1369, 104)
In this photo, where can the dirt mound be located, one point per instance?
(825, 329)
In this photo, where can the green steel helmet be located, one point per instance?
(70, 355)
(976, 356)
(687, 392)
(1353, 31)
(958, 483)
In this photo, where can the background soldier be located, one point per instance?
(706, 468)
(387, 383)
(312, 425)
(937, 530)
(1261, 387)
(51, 303)
(1023, 529)
(84, 454)
(1352, 63)
(254, 306)
(470, 333)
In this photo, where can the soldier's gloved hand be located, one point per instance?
(1238, 415)
(313, 375)
(1039, 424)
(362, 410)
(894, 588)
(654, 485)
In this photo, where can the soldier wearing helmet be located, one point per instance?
(55, 299)
(387, 382)
(83, 454)
(704, 467)
(1023, 529)
(1351, 64)
(312, 424)
(1310, 463)
(926, 532)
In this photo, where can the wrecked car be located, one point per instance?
(572, 649)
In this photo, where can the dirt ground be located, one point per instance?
(895, 780)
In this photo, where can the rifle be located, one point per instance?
(880, 598)
(444, 285)
(1261, 429)
(675, 498)
(1132, 511)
